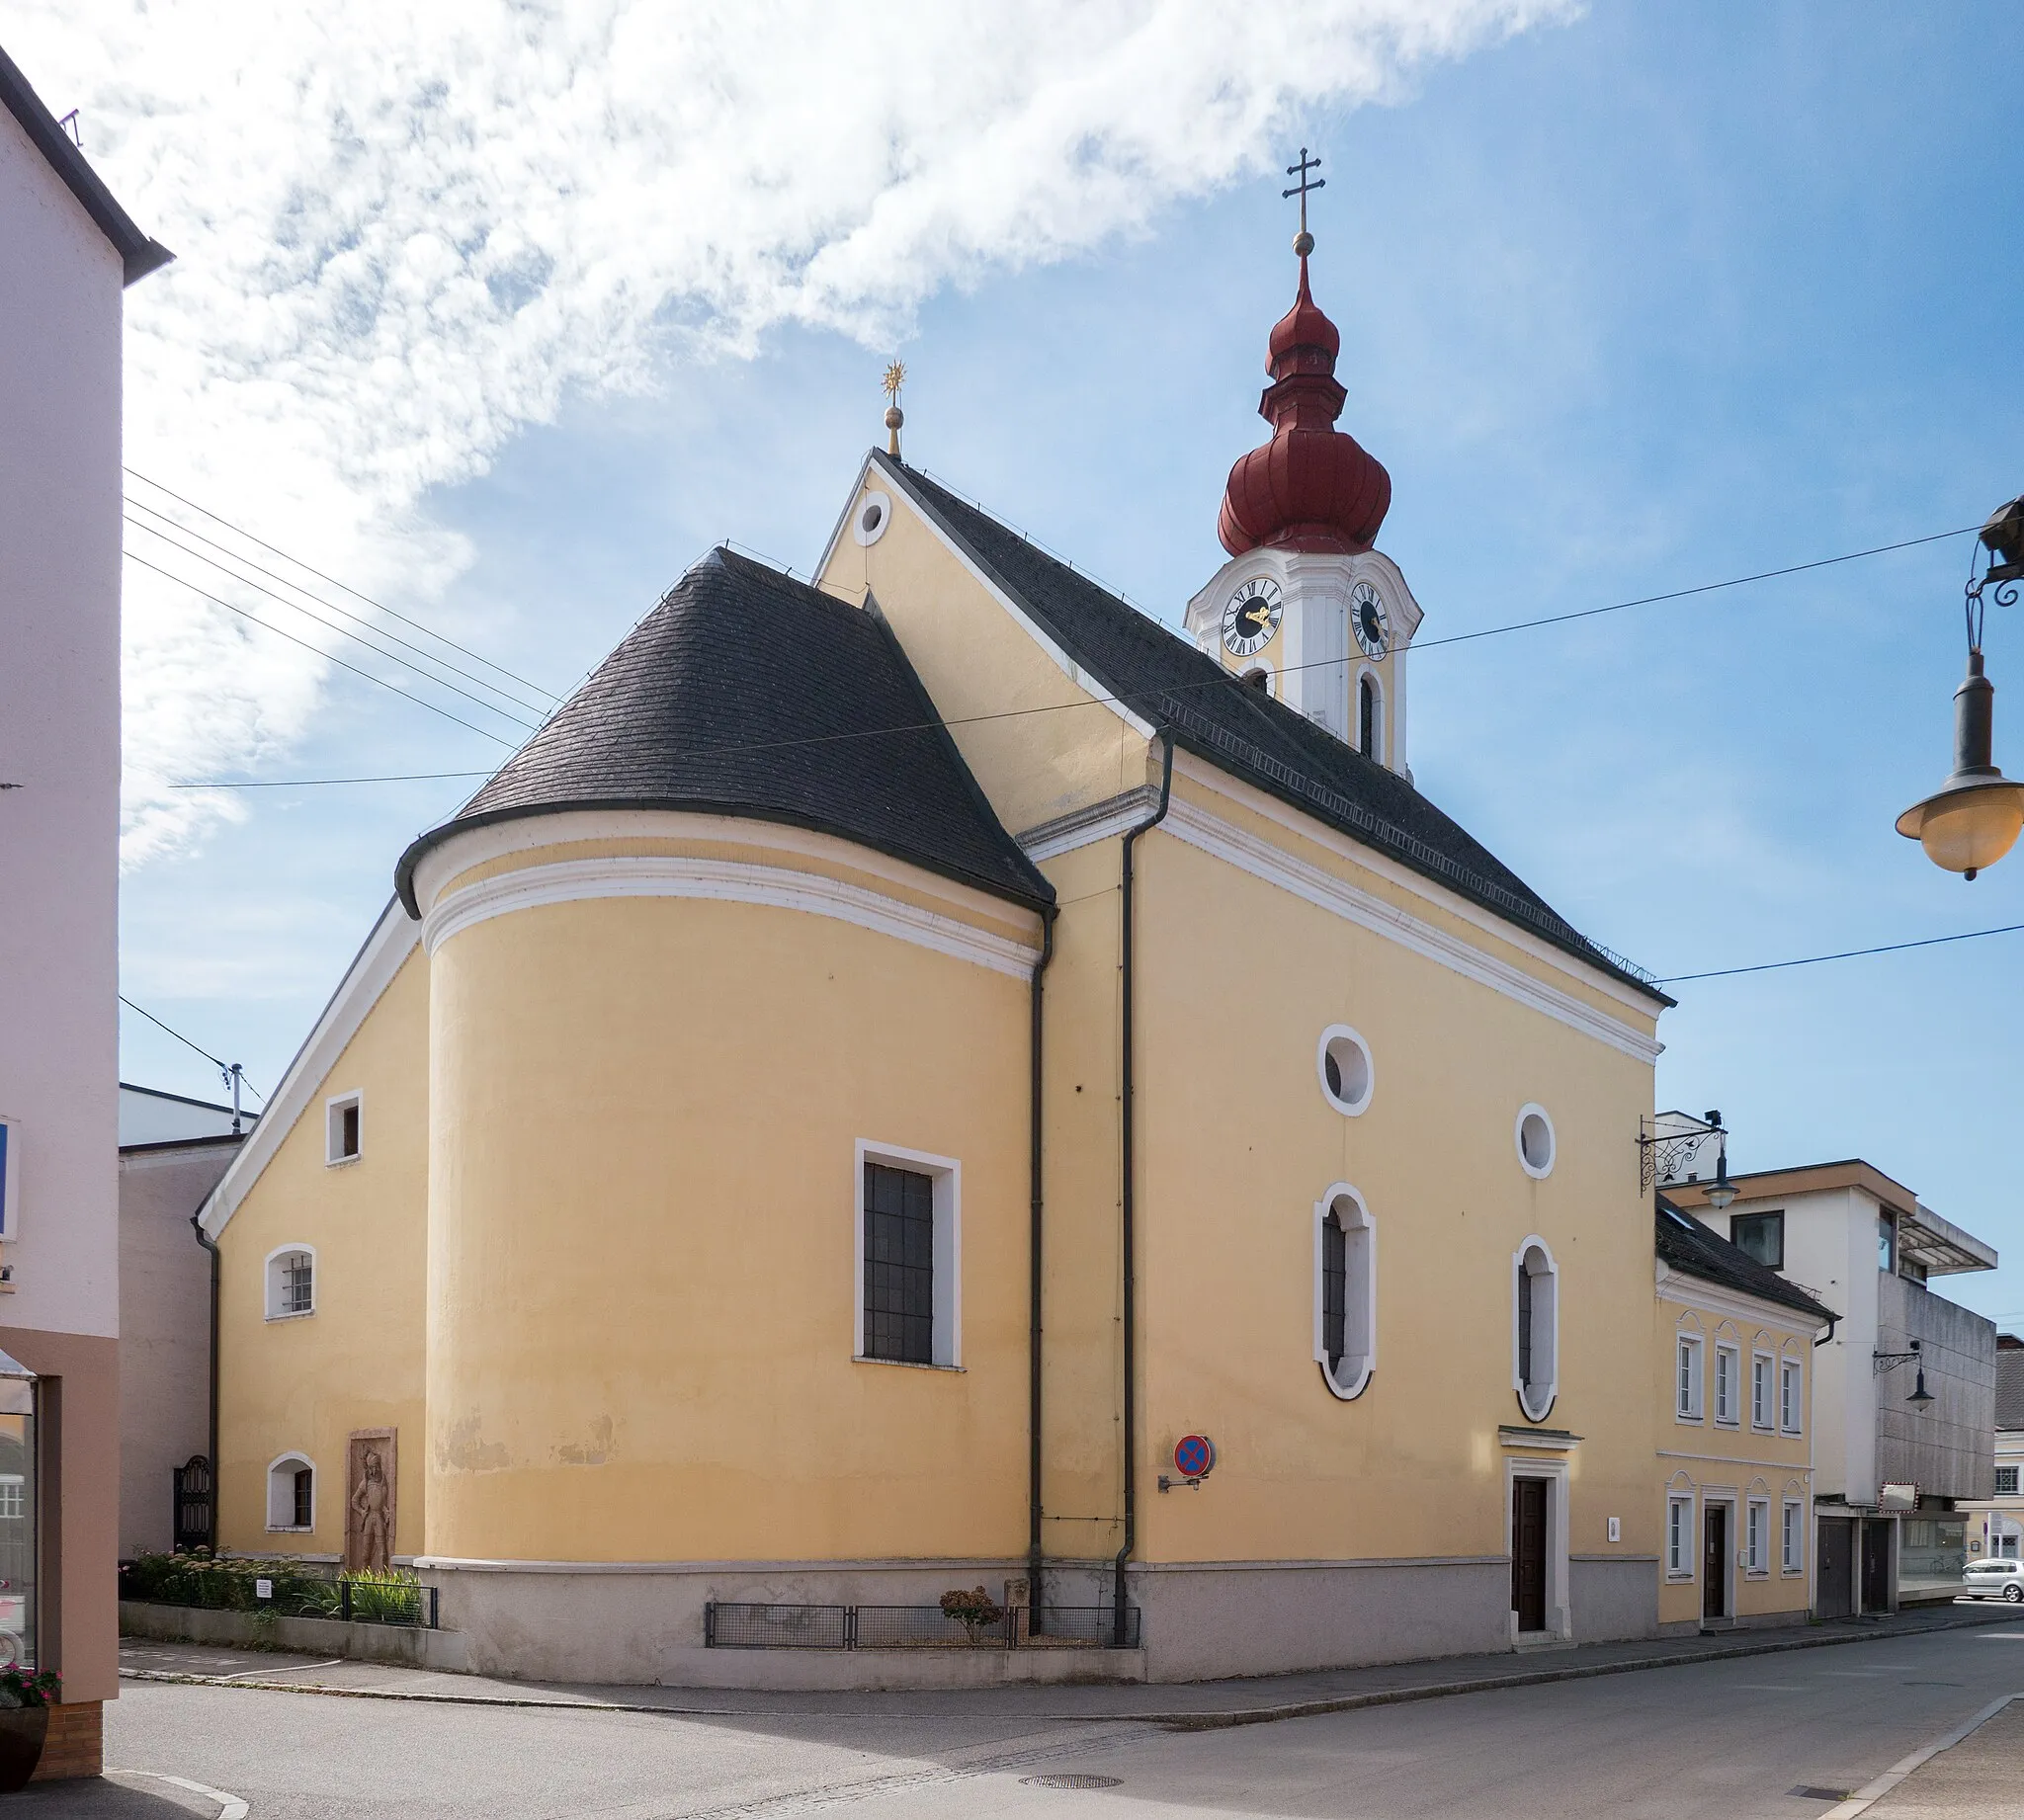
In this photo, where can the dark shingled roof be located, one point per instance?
(748, 693)
(1686, 1245)
(1244, 731)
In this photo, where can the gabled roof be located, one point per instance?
(748, 693)
(139, 254)
(1165, 680)
(1687, 1246)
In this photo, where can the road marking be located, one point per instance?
(230, 1806)
(1870, 1793)
(294, 1668)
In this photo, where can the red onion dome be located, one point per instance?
(1312, 486)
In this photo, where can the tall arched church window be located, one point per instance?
(1536, 1329)
(1345, 1290)
(1367, 716)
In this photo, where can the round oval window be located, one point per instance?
(1346, 1074)
(873, 513)
(873, 516)
(1535, 1140)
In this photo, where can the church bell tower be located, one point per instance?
(1307, 609)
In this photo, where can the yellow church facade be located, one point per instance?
(929, 1079)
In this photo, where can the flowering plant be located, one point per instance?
(21, 1689)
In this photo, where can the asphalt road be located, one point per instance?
(1730, 1739)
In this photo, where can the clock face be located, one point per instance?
(1373, 630)
(1253, 617)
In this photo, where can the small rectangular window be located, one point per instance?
(1688, 1393)
(899, 1265)
(2006, 1481)
(13, 1499)
(1795, 1553)
(1887, 1244)
(1757, 1538)
(1791, 1390)
(1680, 1537)
(1727, 1367)
(1760, 1390)
(343, 1133)
(1760, 1236)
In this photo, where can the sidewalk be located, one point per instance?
(1193, 1707)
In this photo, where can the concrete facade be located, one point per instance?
(66, 252)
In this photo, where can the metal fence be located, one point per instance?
(288, 1588)
(758, 1626)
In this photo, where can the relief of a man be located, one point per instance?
(369, 1500)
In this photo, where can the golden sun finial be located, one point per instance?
(895, 378)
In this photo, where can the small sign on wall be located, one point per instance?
(263, 1589)
(10, 1178)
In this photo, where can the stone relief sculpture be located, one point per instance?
(369, 1501)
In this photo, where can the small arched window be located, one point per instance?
(291, 1493)
(291, 1281)
(1260, 679)
(1370, 708)
(1345, 1290)
(1534, 1328)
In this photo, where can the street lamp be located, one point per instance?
(1973, 818)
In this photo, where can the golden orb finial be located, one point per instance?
(895, 378)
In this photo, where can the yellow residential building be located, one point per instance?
(1734, 1350)
(930, 1079)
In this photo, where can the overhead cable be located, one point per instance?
(222, 1066)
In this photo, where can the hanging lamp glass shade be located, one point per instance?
(1973, 818)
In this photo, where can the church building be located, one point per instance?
(931, 1079)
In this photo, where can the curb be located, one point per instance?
(1870, 1793)
(1210, 1720)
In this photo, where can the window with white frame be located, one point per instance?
(1537, 1144)
(1534, 1328)
(291, 1282)
(291, 1493)
(1343, 1061)
(1757, 1536)
(1760, 1390)
(1345, 1290)
(13, 1496)
(1795, 1552)
(909, 1258)
(1687, 1393)
(1679, 1535)
(1728, 1370)
(342, 1131)
(2006, 1481)
(1790, 1395)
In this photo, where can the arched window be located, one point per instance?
(1369, 725)
(1534, 1328)
(291, 1281)
(291, 1493)
(1260, 679)
(1345, 1290)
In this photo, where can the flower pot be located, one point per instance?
(22, 1731)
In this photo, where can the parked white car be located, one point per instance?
(1999, 1579)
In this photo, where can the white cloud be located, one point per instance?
(404, 232)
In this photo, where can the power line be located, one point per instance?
(490, 707)
(1853, 954)
(410, 777)
(223, 1067)
(383, 681)
(377, 631)
(310, 568)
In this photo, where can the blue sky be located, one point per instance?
(1656, 297)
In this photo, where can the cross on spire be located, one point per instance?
(1303, 242)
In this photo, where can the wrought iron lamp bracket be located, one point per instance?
(1660, 1155)
(1880, 1362)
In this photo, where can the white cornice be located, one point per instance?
(1309, 827)
(724, 881)
(1262, 859)
(1086, 826)
(1697, 1293)
(371, 972)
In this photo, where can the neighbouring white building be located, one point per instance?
(1903, 1404)
(1996, 1528)
(67, 250)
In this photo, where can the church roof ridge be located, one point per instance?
(1244, 732)
(748, 693)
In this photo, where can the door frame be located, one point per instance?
(1558, 1615)
(1732, 1502)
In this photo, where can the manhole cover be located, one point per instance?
(1074, 1781)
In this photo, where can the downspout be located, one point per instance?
(211, 1245)
(1034, 1557)
(1127, 1197)
(1833, 1321)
